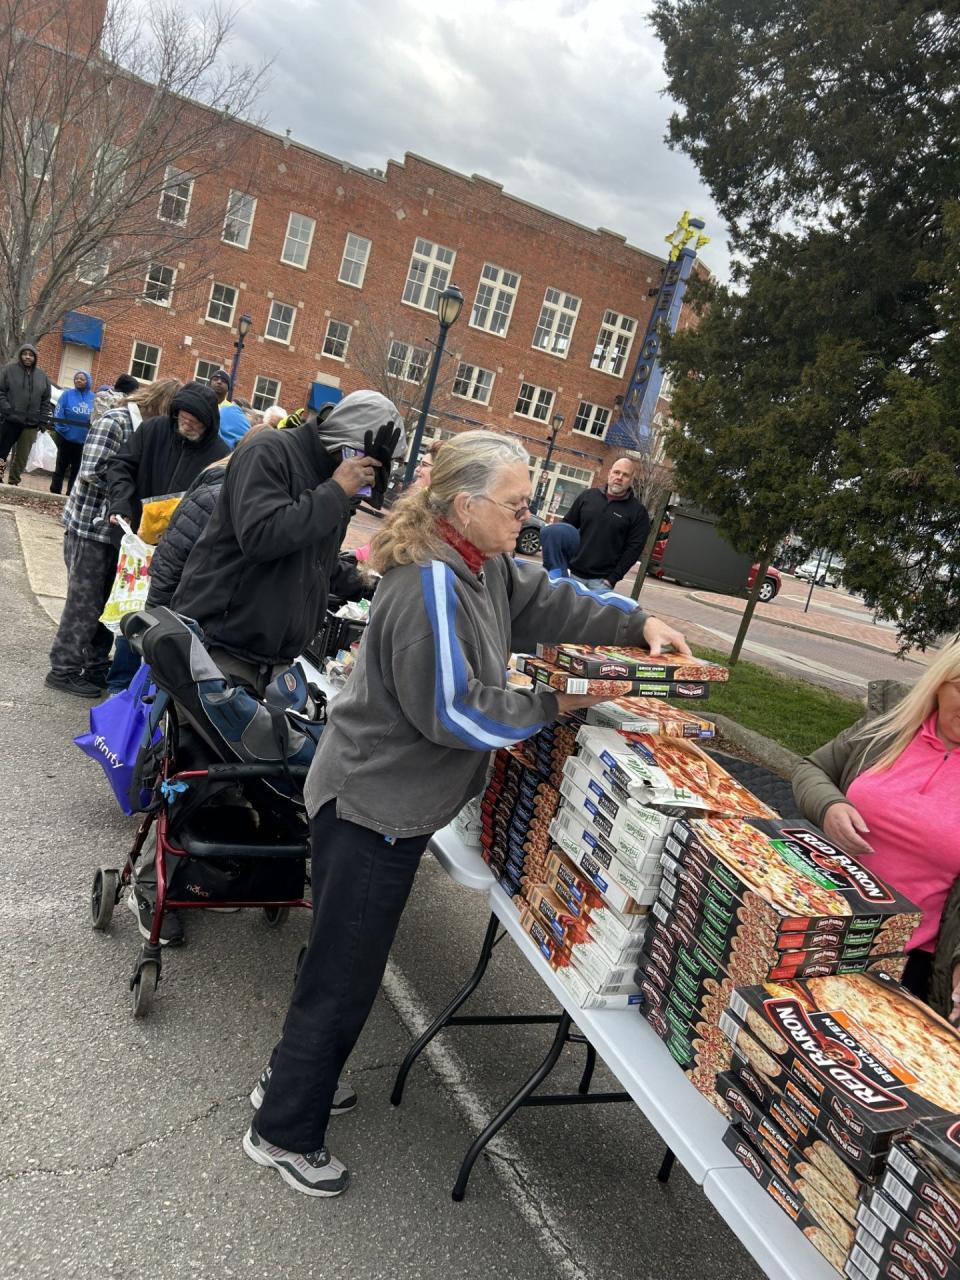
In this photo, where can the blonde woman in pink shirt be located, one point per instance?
(887, 791)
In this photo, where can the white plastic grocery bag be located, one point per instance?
(132, 581)
(43, 454)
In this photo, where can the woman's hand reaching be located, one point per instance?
(843, 825)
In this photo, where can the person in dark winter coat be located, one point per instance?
(257, 579)
(613, 525)
(559, 543)
(165, 455)
(71, 422)
(24, 408)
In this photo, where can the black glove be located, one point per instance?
(381, 447)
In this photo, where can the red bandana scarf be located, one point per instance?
(473, 556)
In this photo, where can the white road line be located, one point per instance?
(514, 1175)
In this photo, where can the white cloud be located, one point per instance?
(558, 100)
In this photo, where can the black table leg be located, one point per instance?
(666, 1166)
(497, 1123)
(591, 1062)
(441, 1020)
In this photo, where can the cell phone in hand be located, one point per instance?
(349, 452)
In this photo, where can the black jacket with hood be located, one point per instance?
(24, 393)
(257, 580)
(156, 459)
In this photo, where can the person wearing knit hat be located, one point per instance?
(221, 384)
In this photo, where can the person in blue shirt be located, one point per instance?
(71, 421)
(234, 423)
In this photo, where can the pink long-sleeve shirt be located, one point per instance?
(913, 812)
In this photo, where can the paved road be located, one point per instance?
(120, 1140)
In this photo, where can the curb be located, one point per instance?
(779, 760)
(798, 626)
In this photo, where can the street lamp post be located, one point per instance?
(449, 306)
(243, 328)
(556, 423)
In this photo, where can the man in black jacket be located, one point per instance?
(613, 525)
(24, 407)
(257, 578)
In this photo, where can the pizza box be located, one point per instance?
(647, 827)
(798, 1210)
(894, 1200)
(586, 998)
(800, 880)
(703, 1007)
(938, 1144)
(566, 927)
(881, 1232)
(554, 677)
(687, 970)
(694, 1046)
(642, 855)
(647, 715)
(596, 970)
(555, 955)
(860, 1044)
(572, 832)
(912, 1258)
(615, 662)
(593, 862)
(911, 1167)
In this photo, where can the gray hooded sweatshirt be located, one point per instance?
(409, 738)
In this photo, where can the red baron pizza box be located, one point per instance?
(783, 1194)
(669, 771)
(705, 1006)
(894, 1201)
(586, 998)
(880, 1230)
(937, 1143)
(798, 879)
(614, 662)
(697, 1047)
(912, 1258)
(561, 681)
(649, 827)
(859, 1044)
(912, 1167)
(647, 715)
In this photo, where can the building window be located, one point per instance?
(591, 420)
(40, 144)
(496, 294)
(407, 362)
(109, 172)
(238, 223)
(613, 343)
(297, 241)
(266, 391)
(428, 275)
(205, 370)
(158, 286)
(534, 402)
(353, 265)
(473, 383)
(145, 361)
(558, 315)
(93, 266)
(280, 323)
(222, 304)
(175, 197)
(337, 340)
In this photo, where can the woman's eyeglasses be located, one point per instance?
(517, 512)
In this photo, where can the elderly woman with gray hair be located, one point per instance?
(406, 746)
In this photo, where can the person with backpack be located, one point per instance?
(71, 422)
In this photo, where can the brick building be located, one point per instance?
(339, 268)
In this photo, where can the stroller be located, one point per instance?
(224, 772)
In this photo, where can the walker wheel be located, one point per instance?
(275, 917)
(103, 896)
(144, 987)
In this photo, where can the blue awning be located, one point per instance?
(321, 394)
(83, 331)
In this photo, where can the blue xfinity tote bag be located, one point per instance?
(117, 731)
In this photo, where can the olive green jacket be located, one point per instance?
(822, 779)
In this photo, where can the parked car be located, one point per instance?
(772, 581)
(817, 570)
(528, 539)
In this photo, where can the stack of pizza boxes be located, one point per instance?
(621, 672)
(911, 1220)
(844, 1090)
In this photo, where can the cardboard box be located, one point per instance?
(647, 715)
(618, 883)
(616, 662)
(923, 1185)
(648, 827)
(883, 1224)
(893, 1202)
(584, 996)
(561, 681)
(860, 1045)
(899, 1259)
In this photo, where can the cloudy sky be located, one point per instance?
(559, 100)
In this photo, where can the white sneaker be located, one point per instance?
(345, 1098)
(316, 1174)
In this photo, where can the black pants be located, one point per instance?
(917, 974)
(82, 642)
(69, 453)
(360, 886)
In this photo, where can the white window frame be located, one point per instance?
(214, 365)
(289, 238)
(175, 177)
(401, 353)
(271, 319)
(536, 402)
(99, 268)
(149, 346)
(474, 378)
(147, 282)
(499, 288)
(587, 415)
(328, 337)
(428, 274)
(614, 341)
(110, 166)
(352, 259)
(558, 319)
(220, 284)
(268, 398)
(45, 133)
(232, 218)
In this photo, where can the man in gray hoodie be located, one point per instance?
(24, 409)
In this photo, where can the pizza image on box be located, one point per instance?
(647, 715)
(623, 662)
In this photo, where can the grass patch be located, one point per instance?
(798, 715)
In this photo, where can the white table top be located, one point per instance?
(461, 862)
